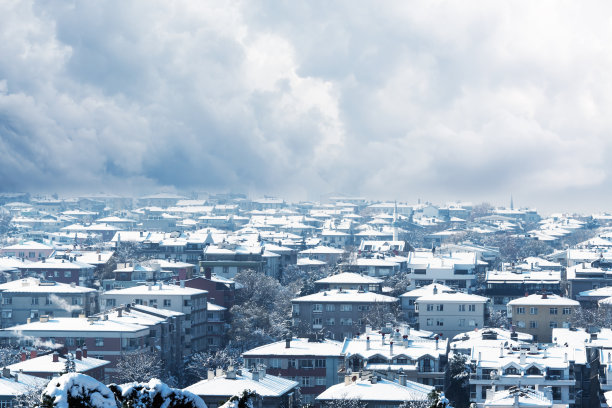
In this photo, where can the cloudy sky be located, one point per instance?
(397, 100)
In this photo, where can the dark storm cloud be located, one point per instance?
(439, 100)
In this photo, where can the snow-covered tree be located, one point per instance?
(154, 394)
(29, 399)
(75, 390)
(69, 364)
(345, 403)
(497, 318)
(245, 400)
(8, 355)
(380, 314)
(200, 363)
(139, 367)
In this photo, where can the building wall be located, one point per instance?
(538, 320)
(453, 319)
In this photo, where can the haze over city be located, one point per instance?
(472, 101)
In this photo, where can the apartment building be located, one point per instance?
(504, 286)
(30, 298)
(449, 313)
(53, 365)
(538, 315)
(62, 271)
(408, 301)
(337, 313)
(456, 269)
(350, 281)
(313, 363)
(191, 302)
(397, 351)
(221, 291)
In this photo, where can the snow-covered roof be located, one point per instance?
(211, 307)
(34, 285)
(426, 290)
(156, 290)
(452, 296)
(544, 300)
(413, 346)
(45, 364)
(298, 347)
(72, 324)
(345, 295)
(382, 390)
(24, 384)
(322, 250)
(221, 386)
(350, 277)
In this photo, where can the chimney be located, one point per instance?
(29, 320)
(84, 351)
(402, 379)
(565, 357)
(182, 284)
(33, 353)
(435, 290)
(390, 348)
(79, 354)
(609, 358)
(368, 343)
(523, 356)
(288, 343)
(405, 340)
(255, 375)
(231, 373)
(24, 356)
(55, 357)
(149, 288)
(501, 350)
(437, 342)
(347, 380)
(99, 257)
(219, 372)
(211, 374)
(208, 273)
(383, 339)
(6, 373)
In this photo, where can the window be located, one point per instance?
(553, 325)
(291, 363)
(34, 300)
(317, 308)
(429, 307)
(363, 308)
(533, 324)
(321, 381)
(138, 301)
(440, 308)
(317, 322)
(7, 301)
(306, 381)
(511, 371)
(48, 301)
(167, 302)
(472, 323)
(567, 311)
(320, 363)
(31, 254)
(99, 342)
(520, 310)
(70, 341)
(553, 310)
(346, 308)
(275, 362)
(520, 323)
(461, 322)
(153, 302)
(533, 310)
(110, 302)
(346, 322)
(472, 308)
(7, 314)
(186, 302)
(34, 314)
(462, 308)
(430, 322)
(67, 274)
(440, 322)
(330, 321)
(77, 301)
(330, 307)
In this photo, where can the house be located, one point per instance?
(538, 315)
(326, 254)
(273, 391)
(62, 271)
(13, 385)
(30, 298)
(313, 363)
(221, 291)
(503, 286)
(337, 313)
(226, 260)
(449, 313)
(191, 302)
(30, 250)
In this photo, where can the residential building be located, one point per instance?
(313, 363)
(397, 351)
(221, 291)
(30, 298)
(450, 313)
(191, 302)
(457, 269)
(216, 326)
(337, 313)
(62, 271)
(30, 250)
(13, 385)
(408, 301)
(503, 286)
(226, 260)
(538, 315)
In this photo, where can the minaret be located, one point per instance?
(395, 238)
